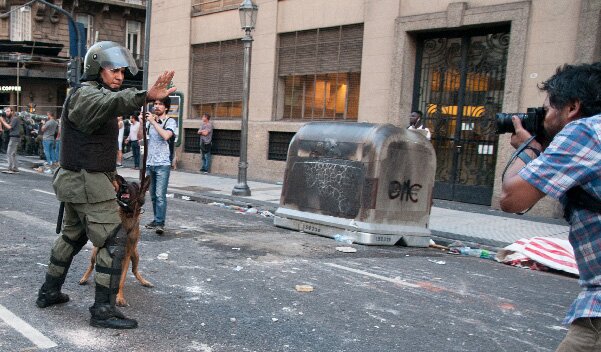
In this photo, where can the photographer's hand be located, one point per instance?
(521, 135)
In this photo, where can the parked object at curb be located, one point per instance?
(369, 181)
(540, 252)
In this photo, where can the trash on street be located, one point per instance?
(439, 262)
(304, 288)
(346, 249)
(539, 253)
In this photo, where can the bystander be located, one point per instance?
(12, 125)
(206, 138)
(161, 129)
(132, 139)
(49, 130)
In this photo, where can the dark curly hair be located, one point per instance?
(575, 82)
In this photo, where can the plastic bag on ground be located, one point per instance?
(549, 252)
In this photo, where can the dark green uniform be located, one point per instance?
(91, 211)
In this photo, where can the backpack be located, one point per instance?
(173, 138)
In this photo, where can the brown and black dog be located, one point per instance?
(130, 220)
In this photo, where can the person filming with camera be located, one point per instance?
(564, 163)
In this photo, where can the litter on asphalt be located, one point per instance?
(346, 249)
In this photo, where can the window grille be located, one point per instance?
(278, 145)
(191, 141)
(319, 73)
(217, 77)
(20, 23)
(226, 142)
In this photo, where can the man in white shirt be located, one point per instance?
(416, 123)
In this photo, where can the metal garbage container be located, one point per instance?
(371, 183)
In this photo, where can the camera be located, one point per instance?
(532, 121)
(2, 113)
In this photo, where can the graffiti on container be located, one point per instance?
(405, 191)
(335, 184)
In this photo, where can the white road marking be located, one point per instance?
(42, 191)
(28, 219)
(25, 329)
(375, 276)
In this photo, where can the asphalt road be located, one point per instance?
(229, 285)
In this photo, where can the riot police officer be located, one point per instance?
(85, 180)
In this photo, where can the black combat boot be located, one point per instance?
(105, 314)
(50, 292)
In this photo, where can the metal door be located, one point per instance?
(459, 85)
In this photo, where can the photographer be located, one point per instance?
(13, 127)
(568, 169)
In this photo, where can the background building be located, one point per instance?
(371, 61)
(34, 46)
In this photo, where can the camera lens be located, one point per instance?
(504, 123)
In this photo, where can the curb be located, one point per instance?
(207, 198)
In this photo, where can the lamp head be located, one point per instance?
(248, 15)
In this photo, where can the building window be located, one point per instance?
(225, 142)
(191, 141)
(200, 7)
(20, 23)
(132, 38)
(278, 145)
(217, 70)
(88, 25)
(319, 73)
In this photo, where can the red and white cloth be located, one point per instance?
(554, 253)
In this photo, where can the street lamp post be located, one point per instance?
(248, 19)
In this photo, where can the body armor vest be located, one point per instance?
(96, 152)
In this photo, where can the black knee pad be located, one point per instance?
(115, 245)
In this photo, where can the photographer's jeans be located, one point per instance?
(159, 180)
(11, 153)
(49, 151)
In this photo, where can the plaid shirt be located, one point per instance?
(572, 159)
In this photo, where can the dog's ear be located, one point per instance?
(120, 180)
(145, 185)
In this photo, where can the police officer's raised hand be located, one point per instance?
(159, 90)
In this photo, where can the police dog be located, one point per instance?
(131, 199)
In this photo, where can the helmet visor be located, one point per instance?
(117, 57)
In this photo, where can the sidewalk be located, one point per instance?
(480, 224)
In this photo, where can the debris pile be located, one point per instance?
(248, 210)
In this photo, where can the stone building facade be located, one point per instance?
(34, 46)
(460, 62)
